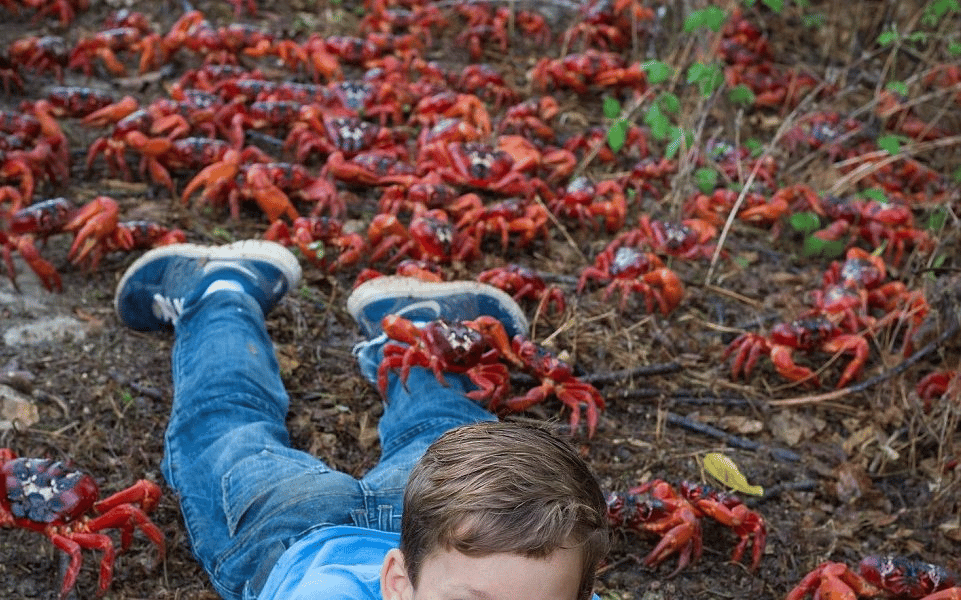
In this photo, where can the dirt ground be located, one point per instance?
(846, 475)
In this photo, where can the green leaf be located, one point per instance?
(875, 194)
(679, 137)
(890, 143)
(708, 77)
(669, 102)
(612, 108)
(711, 17)
(954, 48)
(887, 38)
(706, 179)
(775, 5)
(804, 222)
(956, 176)
(221, 233)
(816, 247)
(741, 94)
(727, 472)
(937, 9)
(937, 218)
(917, 37)
(657, 121)
(898, 87)
(755, 146)
(617, 134)
(657, 71)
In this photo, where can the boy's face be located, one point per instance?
(451, 575)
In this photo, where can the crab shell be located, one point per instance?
(39, 491)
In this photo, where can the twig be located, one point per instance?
(642, 371)
(947, 334)
(735, 441)
(143, 390)
(869, 166)
(785, 125)
(684, 396)
(804, 485)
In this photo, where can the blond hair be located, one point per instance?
(503, 487)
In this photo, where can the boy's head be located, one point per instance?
(504, 489)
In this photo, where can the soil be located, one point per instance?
(859, 472)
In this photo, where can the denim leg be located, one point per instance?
(244, 493)
(414, 416)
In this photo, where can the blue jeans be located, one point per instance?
(245, 494)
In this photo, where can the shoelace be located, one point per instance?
(168, 309)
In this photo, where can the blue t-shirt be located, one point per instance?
(340, 562)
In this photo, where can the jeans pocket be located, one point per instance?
(261, 482)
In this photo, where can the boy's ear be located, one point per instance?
(395, 584)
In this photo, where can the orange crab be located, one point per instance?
(878, 577)
(676, 513)
(480, 349)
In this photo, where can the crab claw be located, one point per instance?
(224, 170)
(93, 223)
(111, 113)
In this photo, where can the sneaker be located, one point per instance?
(425, 301)
(155, 289)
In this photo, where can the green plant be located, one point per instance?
(706, 179)
(808, 224)
(617, 132)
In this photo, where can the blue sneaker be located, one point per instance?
(419, 300)
(155, 289)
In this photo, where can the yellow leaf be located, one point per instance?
(724, 470)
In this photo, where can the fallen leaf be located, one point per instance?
(951, 529)
(853, 482)
(16, 409)
(791, 427)
(740, 425)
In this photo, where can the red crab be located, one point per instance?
(939, 384)
(523, 283)
(348, 135)
(628, 269)
(370, 168)
(478, 166)
(557, 379)
(421, 195)
(39, 54)
(813, 333)
(55, 499)
(430, 236)
(315, 237)
(270, 185)
(691, 238)
(676, 514)
(480, 349)
(592, 67)
(526, 218)
(530, 118)
(105, 44)
(39, 220)
(448, 347)
(592, 203)
(880, 577)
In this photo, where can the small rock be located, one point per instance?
(54, 329)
